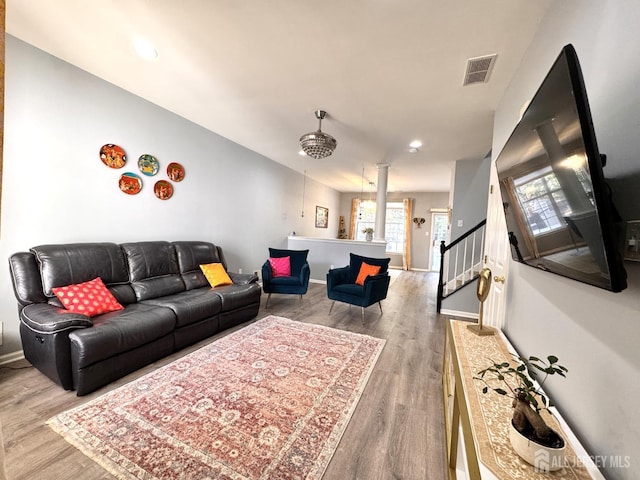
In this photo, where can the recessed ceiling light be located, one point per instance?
(145, 49)
(415, 144)
(413, 150)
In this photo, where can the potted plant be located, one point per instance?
(529, 434)
(369, 233)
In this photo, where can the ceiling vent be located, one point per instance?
(479, 69)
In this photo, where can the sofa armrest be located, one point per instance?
(45, 318)
(266, 272)
(242, 278)
(376, 287)
(337, 276)
(305, 273)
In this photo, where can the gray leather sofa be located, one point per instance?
(168, 302)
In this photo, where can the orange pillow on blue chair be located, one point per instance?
(365, 271)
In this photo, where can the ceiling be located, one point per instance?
(387, 72)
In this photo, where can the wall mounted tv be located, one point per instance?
(558, 208)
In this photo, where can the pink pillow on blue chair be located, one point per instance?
(280, 266)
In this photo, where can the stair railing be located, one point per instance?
(460, 261)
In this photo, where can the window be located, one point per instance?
(394, 223)
(542, 200)
(394, 227)
(366, 218)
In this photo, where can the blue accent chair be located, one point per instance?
(296, 284)
(342, 287)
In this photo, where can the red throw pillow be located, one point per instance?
(89, 298)
(280, 266)
(365, 271)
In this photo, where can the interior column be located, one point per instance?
(381, 201)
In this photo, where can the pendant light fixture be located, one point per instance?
(318, 144)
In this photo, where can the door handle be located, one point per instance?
(500, 279)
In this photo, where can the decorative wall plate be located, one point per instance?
(130, 183)
(163, 189)
(148, 164)
(175, 172)
(113, 156)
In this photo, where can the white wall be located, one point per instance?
(470, 184)
(592, 331)
(57, 190)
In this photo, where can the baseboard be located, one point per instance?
(11, 357)
(457, 313)
(396, 267)
(323, 282)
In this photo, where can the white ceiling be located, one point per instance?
(387, 72)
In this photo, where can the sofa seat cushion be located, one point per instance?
(286, 281)
(349, 293)
(238, 296)
(117, 332)
(191, 306)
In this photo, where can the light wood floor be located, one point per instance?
(396, 432)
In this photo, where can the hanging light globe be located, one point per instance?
(318, 144)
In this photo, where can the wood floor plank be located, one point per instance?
(396, 432)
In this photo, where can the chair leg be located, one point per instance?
(380, 305)
(332, 304)
(362, 313)
(268, 298)
(300, 299)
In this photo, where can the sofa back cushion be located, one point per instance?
(153, 269)
(72, 263)
(190, 256)
(25, 277)
(355, 262)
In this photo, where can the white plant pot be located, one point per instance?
(544, 459)
(369, 237)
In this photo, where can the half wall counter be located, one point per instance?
(325, 252)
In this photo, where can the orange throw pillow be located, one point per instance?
(365, 271)
(216, 274)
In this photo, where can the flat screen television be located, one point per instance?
(558, 208)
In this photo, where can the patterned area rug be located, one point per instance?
(268, 401)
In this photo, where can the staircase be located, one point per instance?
(460, 262)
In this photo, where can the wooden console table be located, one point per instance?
(477, 424)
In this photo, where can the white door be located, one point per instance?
(497, 255)
(439, 232)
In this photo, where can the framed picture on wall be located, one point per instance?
(632, 241)
(322, 217)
